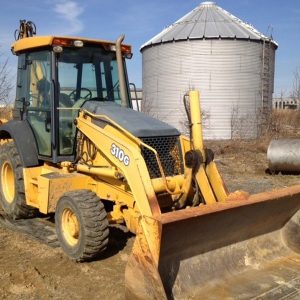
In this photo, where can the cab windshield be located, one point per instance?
(87, 73)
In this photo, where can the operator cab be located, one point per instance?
(55, 79)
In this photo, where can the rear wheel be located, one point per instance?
(81, 225)
(12, 195)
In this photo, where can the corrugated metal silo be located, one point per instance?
(229, 61)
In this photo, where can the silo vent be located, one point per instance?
(207, 3)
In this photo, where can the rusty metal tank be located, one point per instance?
(284, 155)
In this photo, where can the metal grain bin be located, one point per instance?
(229, 61)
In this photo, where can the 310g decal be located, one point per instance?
(120, 154)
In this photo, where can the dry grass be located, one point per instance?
(282, 124)
(5, 113)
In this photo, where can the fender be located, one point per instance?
(21, 133)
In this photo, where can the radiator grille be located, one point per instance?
(168, 149)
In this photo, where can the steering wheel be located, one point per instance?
(86, 97)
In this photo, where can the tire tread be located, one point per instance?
(19, 209)
(94, 224)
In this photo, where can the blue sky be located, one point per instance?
(141, 20)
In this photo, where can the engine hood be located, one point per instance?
(137, 123)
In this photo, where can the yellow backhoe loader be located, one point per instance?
(76, 148)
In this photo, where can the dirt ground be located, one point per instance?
(31, 270)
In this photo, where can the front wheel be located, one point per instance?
(81, 225)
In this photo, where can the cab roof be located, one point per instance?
(44, 41)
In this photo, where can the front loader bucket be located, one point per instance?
(238, 249)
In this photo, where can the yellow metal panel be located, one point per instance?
(43, 194)
(216, 182)
(38, 185)
(174, 183)
(204, 186)
(103, 172)
(112, 190)
(196, 121)
(44, 41)
(31, 182)
(32, 42)
(131, 218)
(116, 215)
(53, 185)
(30, 176)
(134, 170)
(185, 143)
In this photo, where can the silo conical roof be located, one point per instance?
(208, 21)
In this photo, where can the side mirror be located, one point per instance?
(19, 103)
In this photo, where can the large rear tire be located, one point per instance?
(12, 194)
(81, 225)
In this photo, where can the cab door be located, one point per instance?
(39, 99)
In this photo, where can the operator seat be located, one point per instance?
(43, 88)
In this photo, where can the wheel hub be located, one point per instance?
(8, 182)
(70, 227)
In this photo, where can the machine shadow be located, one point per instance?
(118, 238)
